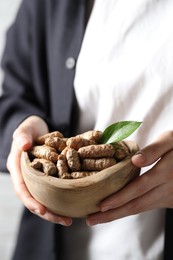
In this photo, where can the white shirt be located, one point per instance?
(125, 72)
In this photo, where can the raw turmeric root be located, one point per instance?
(78, 142)
(41, 139)
(45, 166)
(121, 151)
(93, 135)
(97, 164)
(56, 142)
(97, 151)
(66, 175)
(78, 175)
(75, 157)
(62, 166)
(44, 152)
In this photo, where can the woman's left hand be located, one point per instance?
(151, 190)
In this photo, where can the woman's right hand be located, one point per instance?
(23, 137)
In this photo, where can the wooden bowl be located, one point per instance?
(78, 197)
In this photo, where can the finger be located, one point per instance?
(161, 173)
(57, 219)
(25, 196)
(154, 151)
(134, 189)
(148, 201)
(13, 165)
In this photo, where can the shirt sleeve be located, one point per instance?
(21, 94)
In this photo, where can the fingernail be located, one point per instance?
(36, 211)
(139, 157)
(65, 223)
(20, 143)
(105, 208)
(23, 142)
(92, 222)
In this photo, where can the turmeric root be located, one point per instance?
(78, 175)
(93, 135)
(56, 142)
(121, 151)
(97, 164)
(78, 142)
(62, 166)
(97, 151)
(77, 156)
(45, 166)
(44, 152)
(65, 151)
(73, 159)
(41, 139)
(66, 175)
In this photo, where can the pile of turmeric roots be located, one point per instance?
(75, 157)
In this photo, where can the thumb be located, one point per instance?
(28, 130)
(23, 138)
(140, 159)
(154, 151)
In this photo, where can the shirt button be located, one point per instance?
(70, 63)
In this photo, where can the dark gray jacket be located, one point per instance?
(39, 65)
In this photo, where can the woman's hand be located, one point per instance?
(23, 138)
(151, 190)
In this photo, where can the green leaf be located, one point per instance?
(119, 131)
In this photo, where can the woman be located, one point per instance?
(119, 62)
